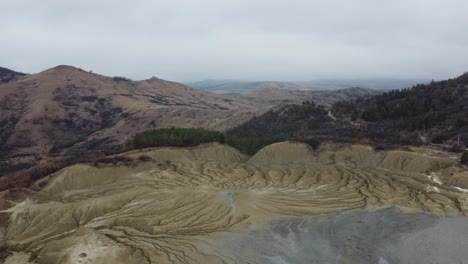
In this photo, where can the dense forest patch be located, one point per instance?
(248, 143)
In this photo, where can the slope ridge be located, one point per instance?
(173, 210)
(274, 96)
(7, 75)
(68, 110)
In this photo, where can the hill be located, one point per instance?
(241, 87)
(427, 113)
(275, 96)
(65, 109)
(437, 111)
(7, 75)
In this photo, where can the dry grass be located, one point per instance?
(65, 108)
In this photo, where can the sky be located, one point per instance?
(190, 40)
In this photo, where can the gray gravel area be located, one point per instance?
(384, 237)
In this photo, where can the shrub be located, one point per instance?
(251, 143)
(114, 160)
(312, 142)
(177, 137)
(46, 168)
(144, 158)
(248, 143)
(458, 148)
(464, 158)
(121, 79)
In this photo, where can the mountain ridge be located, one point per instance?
(275, 96)
(65, 109)
(7, 75)
(434, 113)
(234, 86)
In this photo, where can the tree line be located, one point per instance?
(248, 143)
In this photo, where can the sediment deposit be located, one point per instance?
(202, 205)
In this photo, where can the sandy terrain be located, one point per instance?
(381, 237)
(211, 204)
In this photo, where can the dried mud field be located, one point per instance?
(211, 204)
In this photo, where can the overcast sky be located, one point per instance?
(188, 40)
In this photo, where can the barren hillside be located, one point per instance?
(211, 204)
(65, 108)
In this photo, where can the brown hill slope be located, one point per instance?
(65, 108)
(434, 113)
(241, 87)
(274, 96)
(7, 75)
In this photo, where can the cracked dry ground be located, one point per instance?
(182, 206)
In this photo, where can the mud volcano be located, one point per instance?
(211, 204)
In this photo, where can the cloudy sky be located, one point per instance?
(188, 40)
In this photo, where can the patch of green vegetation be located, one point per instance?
(121, 79)
(247, 143)
(251, 143)
(177, 137)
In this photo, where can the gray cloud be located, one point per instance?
(187, 40)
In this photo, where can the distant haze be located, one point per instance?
(186, 40)
(240, 87)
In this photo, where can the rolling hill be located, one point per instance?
(66, 109)
(241, 87)
(275, 96)
(434, 113)
(437, 112)
(7, 75)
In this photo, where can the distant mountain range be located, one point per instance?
(240, 87)
(275, 96)
(432, 113)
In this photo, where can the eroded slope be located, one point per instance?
(180, 206)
